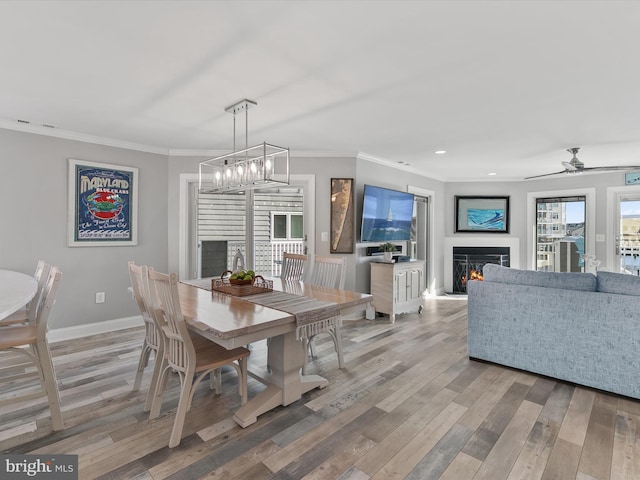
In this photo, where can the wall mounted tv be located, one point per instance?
(386, 215)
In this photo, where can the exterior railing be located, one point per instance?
(629, 251)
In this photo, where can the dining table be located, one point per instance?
(234, 321)
(16, 290)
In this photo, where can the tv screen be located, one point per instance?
(386, 215)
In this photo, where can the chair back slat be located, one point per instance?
(41, 275)
(293, 265)
(328, 272)
(47, 300)
(181, 353)
(140, 286)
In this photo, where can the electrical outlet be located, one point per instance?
(100, 297)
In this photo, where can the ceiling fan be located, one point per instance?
(575, 166)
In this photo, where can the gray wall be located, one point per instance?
(33, 194)
(518, 203)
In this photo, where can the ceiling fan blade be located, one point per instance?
(546, 175)
(612, 168)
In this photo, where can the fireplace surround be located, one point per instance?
(468, 263)
(478, 241)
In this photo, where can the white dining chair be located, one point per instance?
(192, 359)
(293, 266)
(153, 342)
(27, 314)
(327, 272)
(31, 340)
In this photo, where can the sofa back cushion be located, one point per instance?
(564, 280)
(610, 282)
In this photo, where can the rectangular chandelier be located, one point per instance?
(261, 166)
(255, 167)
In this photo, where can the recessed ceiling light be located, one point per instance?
(440, 152)
(492, 173)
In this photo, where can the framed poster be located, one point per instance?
(103, 204)
(342, 216)
(482, 214)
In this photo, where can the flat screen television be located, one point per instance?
(386, 215)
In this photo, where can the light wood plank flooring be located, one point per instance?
(408, 405)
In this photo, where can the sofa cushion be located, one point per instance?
(610, 282)
(564, 280)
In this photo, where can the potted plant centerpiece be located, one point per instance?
(388, 248)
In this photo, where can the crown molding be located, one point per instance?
(185, 152)
(182, 152)
(80, 137)
(399, 166)
(9, 124)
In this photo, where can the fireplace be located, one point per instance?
(468, 263)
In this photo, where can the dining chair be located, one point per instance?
(31, 340)
(293, 266)
(153, 341)
(327, 272)
(27, 314)
(190, 358)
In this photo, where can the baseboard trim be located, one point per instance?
(79, 331)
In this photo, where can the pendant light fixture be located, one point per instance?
(261, 166)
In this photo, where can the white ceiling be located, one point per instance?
(503, 86)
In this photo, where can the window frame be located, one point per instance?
(287, 216)
(590, 219)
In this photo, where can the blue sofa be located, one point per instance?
(577, 327)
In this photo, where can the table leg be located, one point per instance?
(286, 384)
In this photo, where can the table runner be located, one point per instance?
(312, 316)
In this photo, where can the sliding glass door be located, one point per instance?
(560, 234)
(419, 244)
(277, 221)
(261, 224)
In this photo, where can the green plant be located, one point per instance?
(388, 247)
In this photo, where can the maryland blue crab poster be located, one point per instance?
(103, 203)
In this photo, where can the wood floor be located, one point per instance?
(409, 404)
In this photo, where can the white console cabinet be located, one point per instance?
(397, 287)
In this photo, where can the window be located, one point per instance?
(560, 242)
(286, 226)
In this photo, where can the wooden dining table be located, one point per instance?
(16, 290)
(233, 321)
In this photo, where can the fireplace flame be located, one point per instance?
(476, 275)
(473, 275)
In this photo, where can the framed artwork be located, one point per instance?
(103, 204)
(632, 178)
(342, 216)
(482, 214)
